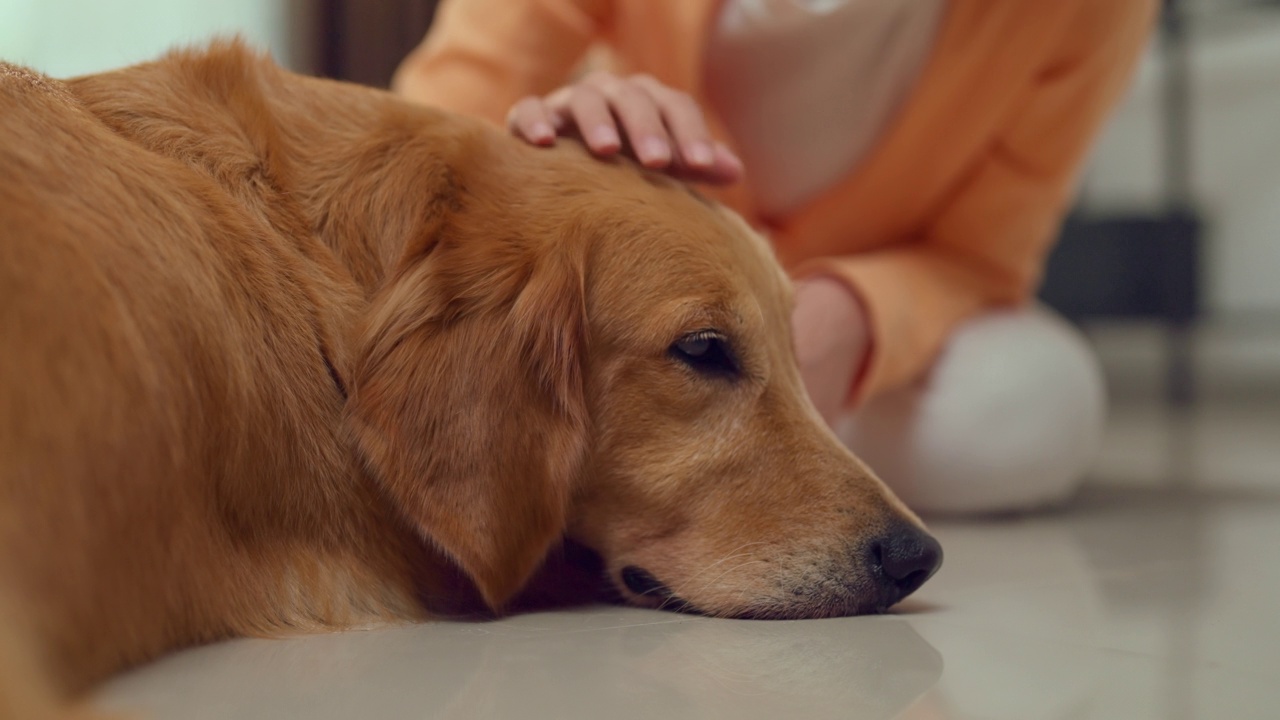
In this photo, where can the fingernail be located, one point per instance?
(653, 150)
(727, 155)
(542, 132)
(700, 154)
(605, 135)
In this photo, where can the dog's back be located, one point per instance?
(91, 399)
(164, 383)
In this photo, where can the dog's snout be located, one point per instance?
(904, 559)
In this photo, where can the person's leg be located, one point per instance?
(1009, 418)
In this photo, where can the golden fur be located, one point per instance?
(283, 354)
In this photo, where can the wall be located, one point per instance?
(70, 37)
(1236, 156)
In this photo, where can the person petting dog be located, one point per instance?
(911, 161)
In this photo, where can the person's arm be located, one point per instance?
(482, 56)
(986, 248)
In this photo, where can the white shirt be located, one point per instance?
(806, 87)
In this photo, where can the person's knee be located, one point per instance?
(1010, 419)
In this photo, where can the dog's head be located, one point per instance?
(574, 348)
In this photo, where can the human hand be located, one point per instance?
(832, 340)
(659, 127)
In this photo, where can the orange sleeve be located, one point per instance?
(988, 244)
(481, 56)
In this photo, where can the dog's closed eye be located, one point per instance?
(709, 353)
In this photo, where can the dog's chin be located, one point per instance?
(639, 587)
(642, 588)
(769, 611)
(645, 590)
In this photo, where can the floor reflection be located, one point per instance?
(1132, 605)
(636, 664)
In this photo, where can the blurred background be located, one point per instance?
(1170, 261)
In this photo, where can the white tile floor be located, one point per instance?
(1132, 603)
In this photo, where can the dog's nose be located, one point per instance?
(904, 558)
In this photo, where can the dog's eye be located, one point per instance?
(708, 352)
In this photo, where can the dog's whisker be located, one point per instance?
(732, 554)
(711, 583)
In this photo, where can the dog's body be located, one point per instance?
(173, 469)
(282, 354)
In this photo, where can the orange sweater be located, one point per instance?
(951, 212)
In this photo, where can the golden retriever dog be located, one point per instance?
(283, 354)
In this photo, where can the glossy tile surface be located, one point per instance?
(1130, 604)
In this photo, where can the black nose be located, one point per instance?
(904, 559)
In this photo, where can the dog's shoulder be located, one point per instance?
(207, 107)
(30, 104)
(17, 81)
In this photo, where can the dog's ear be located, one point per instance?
(467, 402)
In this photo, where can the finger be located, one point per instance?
(531, 120)
(726, 170)
(641, 122)
(683, 118)
(557, 106)
(589, 110)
